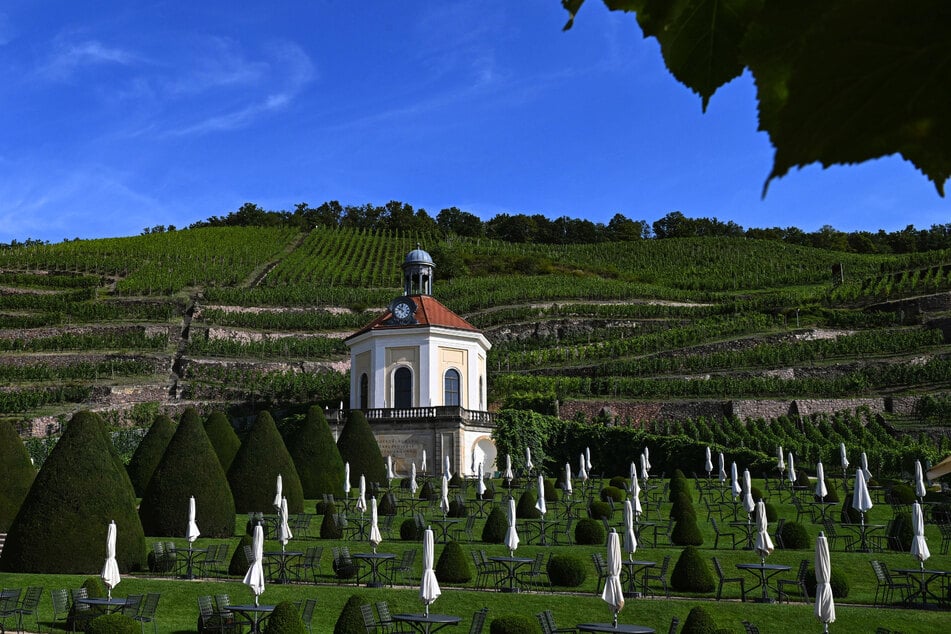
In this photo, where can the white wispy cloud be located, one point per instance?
(69, 55)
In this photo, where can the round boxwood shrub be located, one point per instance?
(514, 624)
(95, 588)
(285, 619)
(189, 467)
(901, 494)
(312, 448)
(566, 570)
(113, 624)
(350, 620)
(358, 446)
(253, 473)
(149, 453)
(691, 572)
(525, 509)
(900, 532)
(699, 621)
(589, 532)
(757, 493)
(496, 525)
(453, 564)
(598, 510)
(328, 525)
(838, 580)
(16, 474)
(613, 493)
(239, 564)
(61, 526)
(221, 434)
(619, 482)
(408, 532)
(795, 536)
(686, 532)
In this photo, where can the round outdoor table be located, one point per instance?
(253, 614)
(444, 524)
(110, 605)
(190, 553)
(427, 623)
(923, 578)
(763, 573)
(538, 530)
(862, 531)
(824, 508)
(282, 558)
(749, 527)
(374, 559)
(512, 564)
(620, 628)
(633, 566)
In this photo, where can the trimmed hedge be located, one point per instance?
(589, 532)
(358, 446)
(315, 455)
(350, 620)
(691, 573)
(686, 532)
(598, 509)
(190, 467)
(239, 564)
(795, 536)
(408, 532)
(61, 526)
(328, 526)
(901, 534)
(901, 494)
(453, 565)
(613, 493)
(838, 580)
(515, 624)
(223, 438)
(16, 474)
(149, 453)
(566, 570)
(113, 624)
(496, 525)
(285, 619)
(525, 509)
(253, 474)
(699, 621)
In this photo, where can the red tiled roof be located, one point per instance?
(429, 312)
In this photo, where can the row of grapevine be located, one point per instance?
(626, 310)
(289, 320)
(77, 371)
(38, 280)
(104, 340)
(15, 401)
(283, 348)
(207, 381)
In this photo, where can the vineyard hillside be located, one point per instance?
(246, 318)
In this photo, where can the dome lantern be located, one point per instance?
(418, 272)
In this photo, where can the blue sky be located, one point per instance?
(120, 116)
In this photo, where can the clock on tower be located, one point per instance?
(403, 310)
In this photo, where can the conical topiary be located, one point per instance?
(239, 564)
(358, 446)
(496, 525)
(16, 474)
(329, 529)
(221, 434)
(149, 452)
(350, 620)
(453, 564)
(253, 473)
(61, 526)
(315, 455)
(189, 468)
(699, 621)
(686, 532)
(525, 509)
(285, 619)
(691, 572)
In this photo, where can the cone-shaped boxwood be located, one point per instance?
(691, 572)
(285, 620)
(358, 446)
(699, 621)
(149, 452)
(239, 564)
(551, 493)
(686, 532)
(328, 525)
(16, 474)
(350, 620)
(900, 532)
(589, 532)
(426, 491)
(496, 525)
(315, 455)
(221, 434)
(189, 468)
(61, 526)
(453, 564)
(253, 473)
(566, 570)
(525, 509)
(408, 531)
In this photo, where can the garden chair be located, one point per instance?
(722, 579)
(536, 574)
(724, 534)
(60, 599)
(750, 628)
(888, 584)
(369, 621)
(404, 568)
(80, 613)
(309, 563)
(660, 576)
(778, 535)
(485, 570)
(385, 619)
(799, 583)
(478, 621)
(465, 531)
(802, 510)
(212, 620)
(29, 606)
(547, 621)
(147, 611)
(8, 606)
(945, 529)
(601, 569)
(132, 604)
(565, 533)
(828, 529)
(674, 626)
(307, 613)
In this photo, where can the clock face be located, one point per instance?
(401, 310)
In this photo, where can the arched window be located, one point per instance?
(451, 388)
(364, 391)
(403, 388)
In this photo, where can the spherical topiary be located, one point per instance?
(525, 509)
(350, 620)
(95, 588)
(457, 509)
(358, 446)
(771, 514)
(239, 564)
(699, 621)
(901, 494)
(756, 492)
(285, 619)
(619, 482)
(900, 532)
(795, 536)
(838, 581)
(253, 474)
(613, 493)
(61, 526)
(589, 532)
(315, 455)
(16, 474)
(408, 531)
(223, 438)
(453, 564)
(149, 452)
(598, 510)
(189, 468)
(328, 525)
(496, 525)
(113, 624)
(566, 570)
(686, 532)
(691, 572)
(514, 624)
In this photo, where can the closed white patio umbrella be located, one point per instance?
(540, 504)
(791, 470)
(346, 480)
(613, 594)
(636, 499)
(422, 463)
(375, 536)
(428, 586)
(480, 484)
(284, 533)
(412, 480)
(279, 494)
(583, 469)
(390, 474)
(254, 578)
(748, 502)
(110, 570)
(825, 604)
(722, 473)
(821, 490)
(763, 544)
(644, 468)
(633, 476)
(191, 532)
(920, 489)
(843, 457)
(736, 487)
(508, 475)
(444, 495)
(528, 459)
(446, 467)
(647, 458)
(362, 499)
(568, 478)
(708, 462)
(919, 546)
(780, 464)
(865, 471)
(861, 502)
(587, 459)
(511, 535)
(630, 538)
